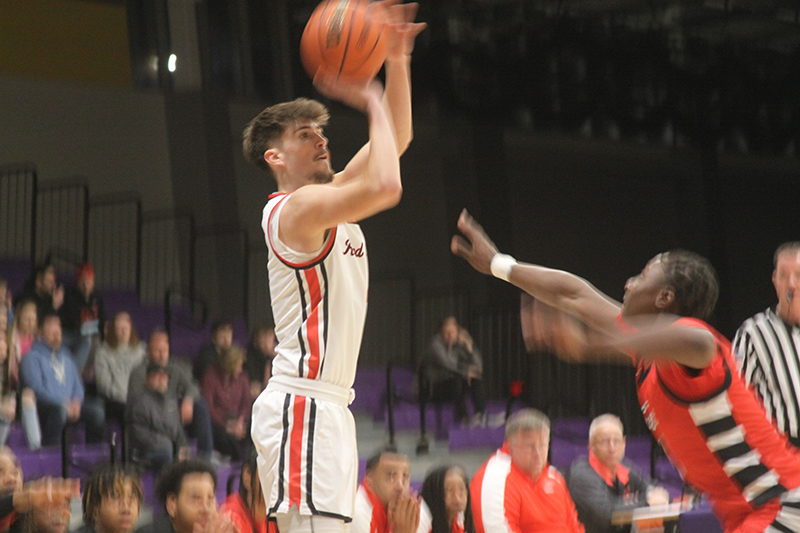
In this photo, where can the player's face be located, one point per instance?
(390, 479)
(529, 449)
(786, 279)
(642, 291)
(119, 510)
(196, 503)
(455, 492)
(608, 444)
(305, 154)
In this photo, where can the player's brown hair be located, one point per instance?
(791, 246)
(264, 131)
(694, 282)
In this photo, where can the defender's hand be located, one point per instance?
(478, 249)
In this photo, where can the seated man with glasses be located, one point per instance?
(604, 482)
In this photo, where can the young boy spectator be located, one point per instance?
(188, 491)
(154, 423)
(82, 315)
(112, 499)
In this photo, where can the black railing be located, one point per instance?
(62, 217)
(18, 188)
(115, 240)
(184, 307)
(167, 253)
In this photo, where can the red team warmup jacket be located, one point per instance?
(507, 500)
(717, 435)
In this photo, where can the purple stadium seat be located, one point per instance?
(461, 438)
(571, 429)
(370, 387)
(39, 463)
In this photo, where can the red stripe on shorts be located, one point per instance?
(296, 450)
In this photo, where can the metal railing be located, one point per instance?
(62, 215)
(115, 240)
(18, 187)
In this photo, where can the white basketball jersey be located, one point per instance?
(319, 301)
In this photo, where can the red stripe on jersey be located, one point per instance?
(326, 249)
(312, 324)
(296, 450)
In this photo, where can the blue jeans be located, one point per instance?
(53, 418)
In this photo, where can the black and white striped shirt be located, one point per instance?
(768, 353)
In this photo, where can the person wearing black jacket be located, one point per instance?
(605, 482)
(83, 315)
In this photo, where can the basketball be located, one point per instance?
(346, 36)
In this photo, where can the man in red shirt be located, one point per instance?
(711, 426)
(516, 490)
(383, 501)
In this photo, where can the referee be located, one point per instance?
(767, 346)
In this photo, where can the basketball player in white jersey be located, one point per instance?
(318, 275)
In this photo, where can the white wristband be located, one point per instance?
(501, 266)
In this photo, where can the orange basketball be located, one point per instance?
(348, 37)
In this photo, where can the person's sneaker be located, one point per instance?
(478, 420)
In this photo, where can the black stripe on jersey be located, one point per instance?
(325, 322)
(282, 462)
(312, 414)
(718, 426)
(768, 495)
(345, 519)
(316, 261)
(793, 505)
(674, 397)
(780, 527)
(776, 396)
(303, 352)
(791, 394)
(732, 452)
(643, 373)
(749, 474)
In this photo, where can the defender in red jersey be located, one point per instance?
(693, 400)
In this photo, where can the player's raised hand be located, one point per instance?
(403, 30)
(478, 249)
(353, 94)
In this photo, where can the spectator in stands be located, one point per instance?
(50, 372)
(383, 502)
(18, 500)
(188, 490)
(153, 421)
(446, 507)
(6, 306)
(221, 339)
(516, 490)
(605, 483)
(226, 389)
(112, 500)
(114, 361)
(10, 353)
(82, 315)
(453, 366)
(193, 408)
(22, 335)
(247, 508)
(258, 361)
(42, 289)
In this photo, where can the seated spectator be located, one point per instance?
(9, 393)
(193, 408)
(453, 366)
(153, 421)
(445, 504)
(6, 304)
(188, 491)
(516, 490)
(604, 482)
(22, 335)
(247, 508)
(227, 391)
(51, 518)
(82, 315)
(43, 290)
(18, 500)
(221, 339)
(112, 500)
(258, 360)
(114, 360)
(383, 502)
(50, 372)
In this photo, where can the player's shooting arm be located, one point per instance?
(661, 338)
